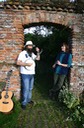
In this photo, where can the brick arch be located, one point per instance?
(45, 16)
(56, 25)
(12, 39)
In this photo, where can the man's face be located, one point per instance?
(29, 47)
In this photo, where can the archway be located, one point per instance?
(50, 45)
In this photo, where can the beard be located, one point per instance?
(29, 51)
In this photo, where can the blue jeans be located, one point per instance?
(27, 82)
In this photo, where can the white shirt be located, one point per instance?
(24, 57)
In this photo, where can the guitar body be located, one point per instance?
(30, 67)
(6, 104)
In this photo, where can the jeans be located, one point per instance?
(27, 82)
(58, 81)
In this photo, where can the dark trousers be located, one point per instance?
(58, 81)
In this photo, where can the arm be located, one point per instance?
(68, 64)
(20, 63)
(58, 62)
(54, 65)
(64, 65)
(20, 60)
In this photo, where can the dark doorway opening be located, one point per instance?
(50, 43)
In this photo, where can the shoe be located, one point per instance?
(23, 107)
(31, 102)
(50, 93)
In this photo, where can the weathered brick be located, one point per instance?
(12, 40)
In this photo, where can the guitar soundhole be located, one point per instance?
(5, 102)
(6, 96)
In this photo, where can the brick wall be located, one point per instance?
(12, 40)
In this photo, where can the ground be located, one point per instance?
(45, 113)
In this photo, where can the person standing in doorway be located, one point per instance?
(61, 67)
(26, 61)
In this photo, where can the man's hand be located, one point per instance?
(37, 49)
(38, 53)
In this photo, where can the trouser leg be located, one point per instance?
(31, 84)
(26, 88)
(58, 83)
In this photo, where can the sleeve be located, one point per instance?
(70, 60)
(20, 56)
(34, 56)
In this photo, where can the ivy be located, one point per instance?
(74, 105)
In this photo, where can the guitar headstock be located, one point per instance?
(9, 73)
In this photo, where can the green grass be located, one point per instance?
(44, 114)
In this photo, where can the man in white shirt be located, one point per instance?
(26, 61)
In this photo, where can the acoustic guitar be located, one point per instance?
(6, 104)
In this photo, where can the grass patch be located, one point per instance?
(9, 120)
(44, 114)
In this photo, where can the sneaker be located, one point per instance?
(50, 93)
(31, 102)
(23, 107)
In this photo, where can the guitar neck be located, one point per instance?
(7, 86)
